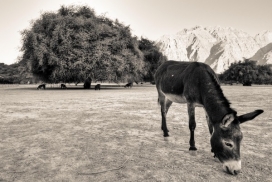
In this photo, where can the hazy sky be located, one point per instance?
(148, 18)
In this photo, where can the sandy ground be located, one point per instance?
(114, 135)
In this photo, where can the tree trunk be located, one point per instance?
(87, 83)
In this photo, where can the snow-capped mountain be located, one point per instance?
(217, 46)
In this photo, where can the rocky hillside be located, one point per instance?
(217, 46)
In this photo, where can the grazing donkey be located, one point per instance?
(63, 86)
(196, 84)
(97, 87)
(128, 85)
(41, 86)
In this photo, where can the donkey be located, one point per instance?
(196, 84)
(41, 86)
(97, 87)
(63, 86)
(129, 85)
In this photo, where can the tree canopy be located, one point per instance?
(74, 43)
(152, 57)
(6, 73)
(247, 72)
(13, 73)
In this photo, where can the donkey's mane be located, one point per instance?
(216, 83)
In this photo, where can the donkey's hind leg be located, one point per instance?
(192, 124)
(165, 104)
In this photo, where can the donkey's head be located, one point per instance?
(226, 139)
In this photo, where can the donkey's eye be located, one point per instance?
(228, 144)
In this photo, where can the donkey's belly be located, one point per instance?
(176, 98)
(180, 99)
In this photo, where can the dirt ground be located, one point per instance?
(114, 135)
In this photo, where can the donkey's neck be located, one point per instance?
(215, 103)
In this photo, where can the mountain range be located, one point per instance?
(217, 46)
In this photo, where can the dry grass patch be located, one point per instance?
(114, 135)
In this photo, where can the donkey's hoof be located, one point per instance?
(193, 148)
(166, 135)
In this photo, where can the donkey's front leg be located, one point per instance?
(192, 125)
(209, 123)
(210, 128)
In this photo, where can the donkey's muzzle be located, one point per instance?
(233, 167)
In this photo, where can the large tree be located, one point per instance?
(74, 43)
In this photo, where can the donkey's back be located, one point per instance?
(181, 81)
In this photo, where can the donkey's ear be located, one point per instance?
(227, 120)
(249, 116)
